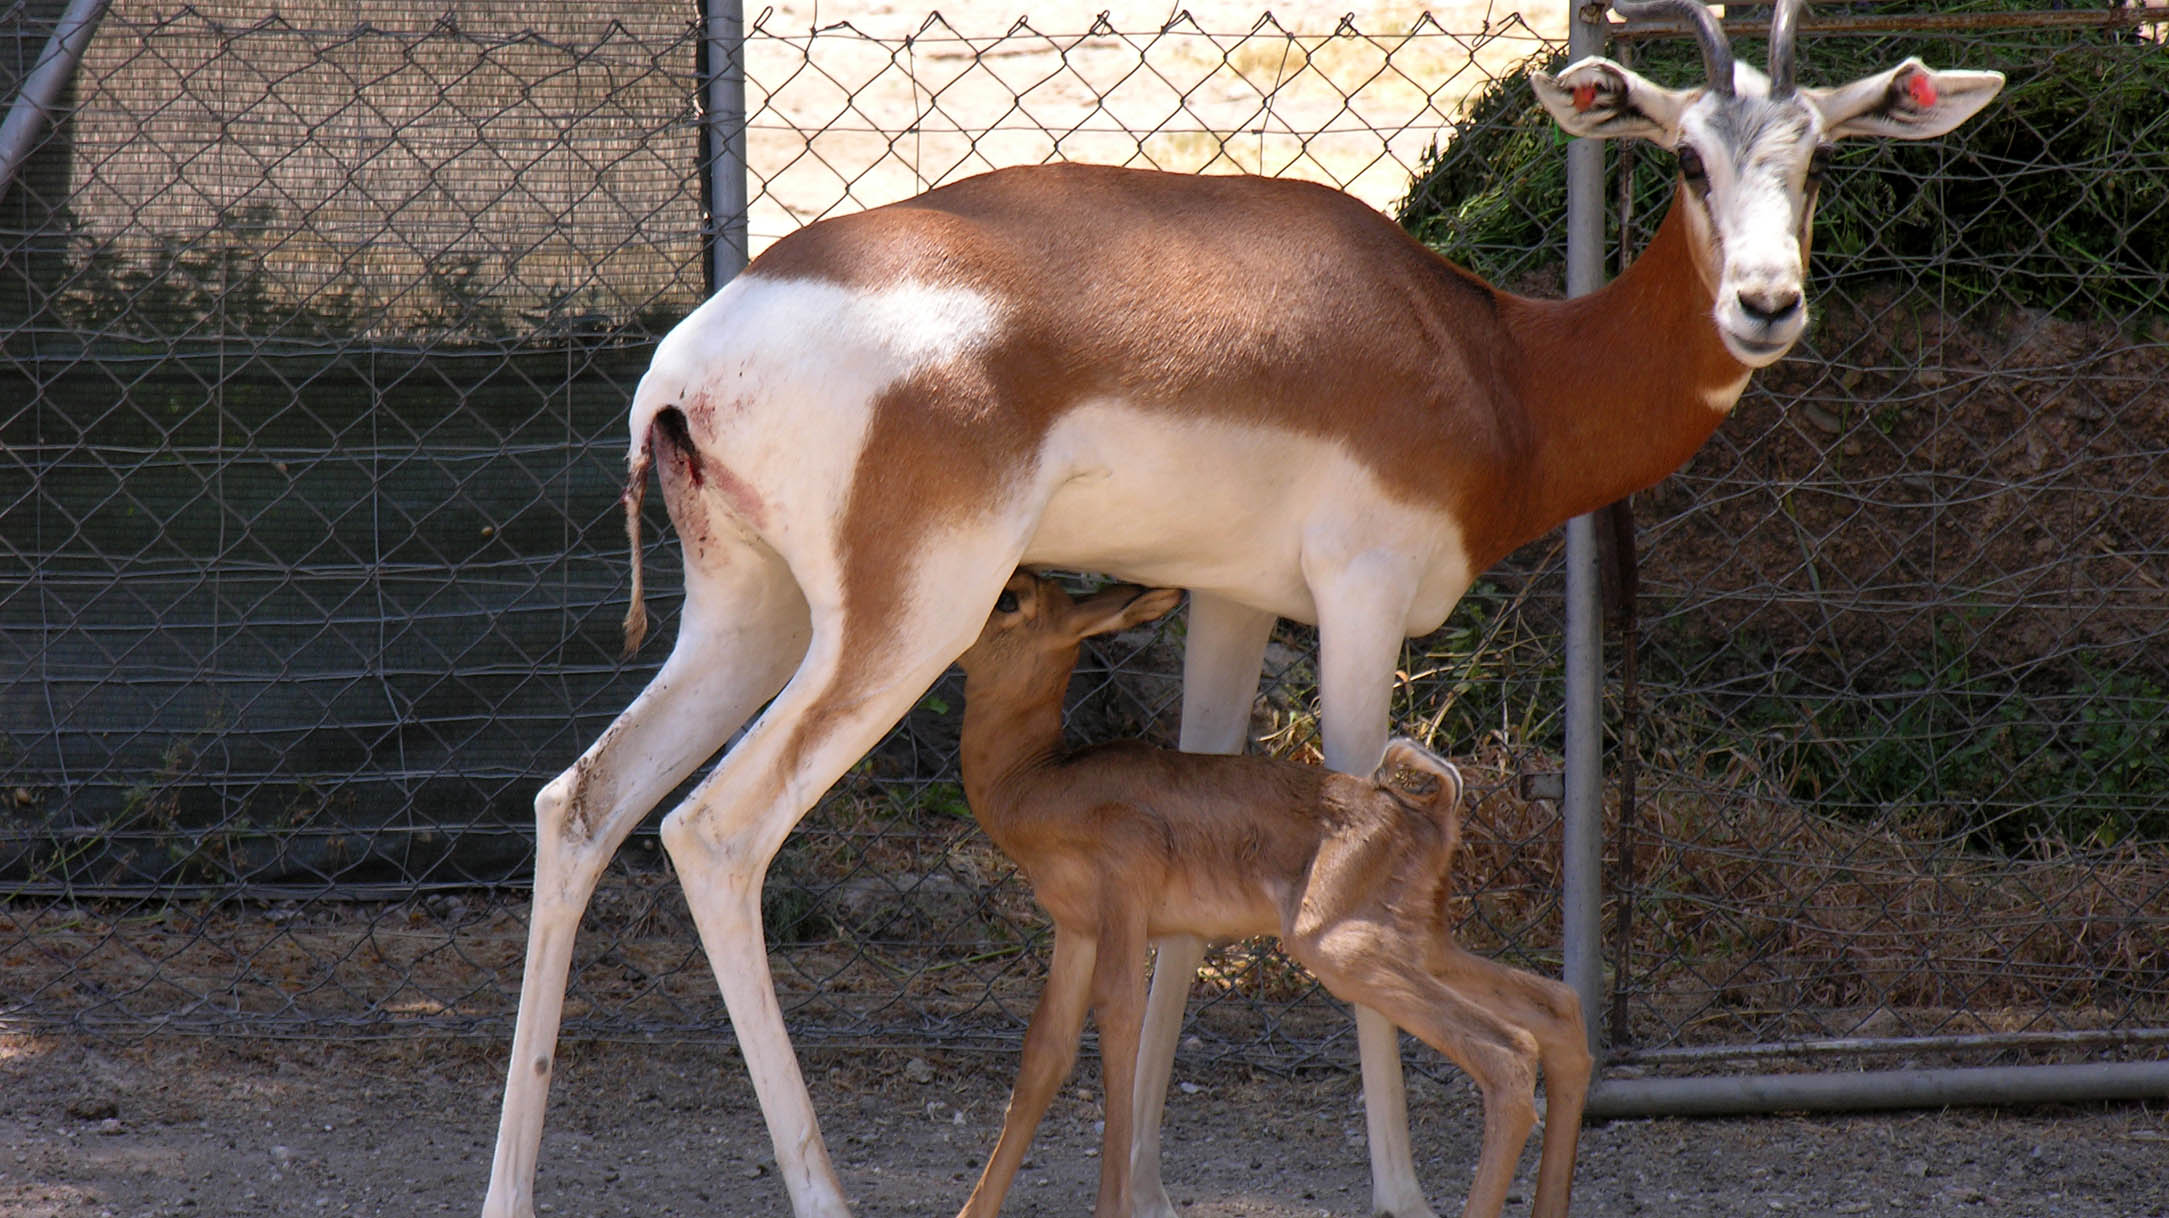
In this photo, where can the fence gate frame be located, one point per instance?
(1582, 807)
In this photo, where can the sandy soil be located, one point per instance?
(853, 116)
(164, 1129)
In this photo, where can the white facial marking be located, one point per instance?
(1755, 150)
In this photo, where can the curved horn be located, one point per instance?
(1716, 52)
(1783, 21)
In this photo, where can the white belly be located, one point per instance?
(1210, 505)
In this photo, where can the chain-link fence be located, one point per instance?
(318, 334)
(1907, 665)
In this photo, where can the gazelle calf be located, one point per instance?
(1124, 842)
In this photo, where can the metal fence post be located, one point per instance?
(41, 89)
(1583, 809)
(723, 138)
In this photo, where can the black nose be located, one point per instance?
(1769, 308)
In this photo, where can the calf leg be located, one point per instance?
(1050, 1049)
(1361, 965)
(1495, 1022)
(1549, 1011)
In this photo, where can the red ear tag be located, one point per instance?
(1585, 96)
(1922, 89)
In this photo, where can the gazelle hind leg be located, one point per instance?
(859, 676)
(1222, 656)
(744, 626)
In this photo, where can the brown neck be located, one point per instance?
(1613, 407)
(1004, 737)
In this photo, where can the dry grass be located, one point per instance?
(1758, 914)
(1754, 917)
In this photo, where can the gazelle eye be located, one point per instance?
(1818, 163)
(1006, 602)
(1690, 167)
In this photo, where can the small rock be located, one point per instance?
(109, 1126)
(1917, 1168)
(94, 1107)
(918, 1071)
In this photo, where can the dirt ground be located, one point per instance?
(163, 1129)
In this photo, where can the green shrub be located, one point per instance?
(2054, 197)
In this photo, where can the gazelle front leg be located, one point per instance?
(1222, 657)
(743, 628)
(1362, 615)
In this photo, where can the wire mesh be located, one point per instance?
(299, 625)
(1905, 657)
(318, 334)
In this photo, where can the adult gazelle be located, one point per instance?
(1258, 390)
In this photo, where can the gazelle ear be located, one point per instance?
(1598, 99)
(1909, 102)
(1119, 607)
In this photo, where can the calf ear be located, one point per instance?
(1598, 99)
(1120, 607)
(1909, 102)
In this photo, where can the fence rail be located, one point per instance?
(315, 338)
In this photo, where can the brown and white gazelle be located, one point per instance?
(1259, 390)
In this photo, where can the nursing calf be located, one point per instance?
(1123, 842)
